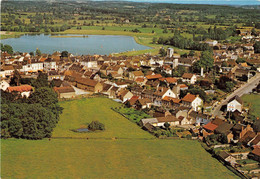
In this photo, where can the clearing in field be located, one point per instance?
(135, 154)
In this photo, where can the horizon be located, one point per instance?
(209, 2)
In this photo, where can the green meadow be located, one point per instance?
(253, 102)
(78, 113)
(135, 154)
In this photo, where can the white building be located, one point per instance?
(4, 85)
(193, 101)
(33, 67)
(235, 103)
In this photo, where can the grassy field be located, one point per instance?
(78, 113)
(75, 158)
(138, 155)
(253, 102)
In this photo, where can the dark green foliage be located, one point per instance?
(166, 125)
(225, 83)
(15, 80)
(257, 47)
(184, 43)
(7, 48)
(96, 125)
(64, 54)
(32, 118)
(41, 81)
(256, 125)
(162, 52)
(30, 121)
(206, 60)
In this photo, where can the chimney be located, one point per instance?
(201, 72)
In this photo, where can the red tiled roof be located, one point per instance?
(256, 151)
(189, 98)
(210, 126)
(187, 75)
(183, 86)
(21, 89)
(168, 98)
(139, 79)
(67, 89)
(156, 76)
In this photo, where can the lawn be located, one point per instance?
(253, 102)
(127, 158)
(134, 154)
(77, 113)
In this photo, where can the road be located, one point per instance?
(244, 89)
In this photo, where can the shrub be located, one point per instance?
(96, 125)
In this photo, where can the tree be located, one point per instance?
(41, 81)
(44, 96)
(15, 80)
(229, 86)
(192, 53)
(64, 54)
(257, 47)
(206, 60)
(162, 52)
(38, 52)
(7, 48)
(166, 125)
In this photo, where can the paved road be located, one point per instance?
(246, 88)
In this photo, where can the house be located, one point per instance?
(148, 120)
(131, 102)
(112, 93)
(225, 129)
(193, 101)
(50, 64)
(125, 95)
(23, 90)
(148, 127)
(106, 88)
(210, 127)
(153, 77)
(255, 141)
(143, 103)
(4, 85)
(172, 120)
(189, 78)
(170, 102)
(6, 70)
(34, 66)
(235, 103)
(162, 92)
(141, 81)
(65, 92)
(89, 85)
(136, 74)
(200, 118)
(255, 154)
(239, 130)
(249, 135)
(226, 157)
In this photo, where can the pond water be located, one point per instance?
(82, 130)
(77, 45)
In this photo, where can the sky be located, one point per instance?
(227, 2)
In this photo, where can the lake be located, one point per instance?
(78, 45)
